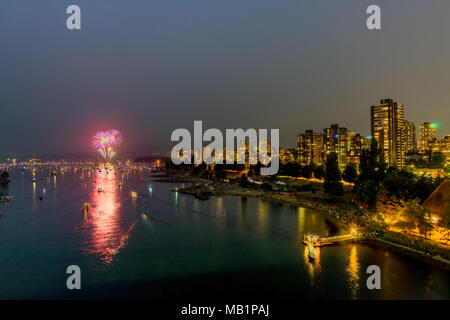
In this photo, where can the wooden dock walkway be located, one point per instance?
(317, 241)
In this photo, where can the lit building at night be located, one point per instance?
(310, 147)
(357, 143)
(288, 155)
(387, 127)
(427, 135)
(336, 139)
(410, 136)
(442, 145)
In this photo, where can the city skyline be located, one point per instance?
(416, 127)
(396, 138)
(150, 68)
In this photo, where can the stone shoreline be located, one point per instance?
(434, 260)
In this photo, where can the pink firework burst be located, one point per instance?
(106, 139)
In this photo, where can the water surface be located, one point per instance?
(167, 245)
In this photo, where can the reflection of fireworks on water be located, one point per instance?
(104, 141)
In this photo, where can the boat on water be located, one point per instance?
(311, 252)
(100, 190)
(85, 207)
(4, 197)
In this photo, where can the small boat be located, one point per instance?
(120, 184)
(34, 179)
(311, 252)
(133, 194)
(4, 197)
(85, 207)
(100, 190)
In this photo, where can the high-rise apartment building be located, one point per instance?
(410, 136)
(387, 127)
(310, 147)
(337, 139)
(357, 144)
(427, 135)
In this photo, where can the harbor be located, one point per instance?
(150, 239)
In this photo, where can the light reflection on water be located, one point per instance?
(164, 235)
(353, 271)
(103, 225)
(313, 266)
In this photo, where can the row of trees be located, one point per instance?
(374, 175)
(428, 160)
(396, 194)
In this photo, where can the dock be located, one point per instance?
(317, 241)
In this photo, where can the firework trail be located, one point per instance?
(104, 141)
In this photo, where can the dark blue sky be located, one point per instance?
(149, 67)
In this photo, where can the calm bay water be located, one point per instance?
(168, 245)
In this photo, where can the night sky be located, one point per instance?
(148, 67)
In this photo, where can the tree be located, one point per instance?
(372, 167)
(424, 187)
(255, 169)
(244, 181)
(319, 173)
(400, 183)
(372, 164)
(419, 216)
(332, 184)
(220, 172)
(307, 171)
(290, 169)
(367, 192)
(350, 174)
(388, 206)
(438, 159)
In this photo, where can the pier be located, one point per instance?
(317, 241)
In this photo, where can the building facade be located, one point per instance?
(427, 136)
(387, 127)
(357, 144)
(410, 136)
(336, 139)
(310, 147)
